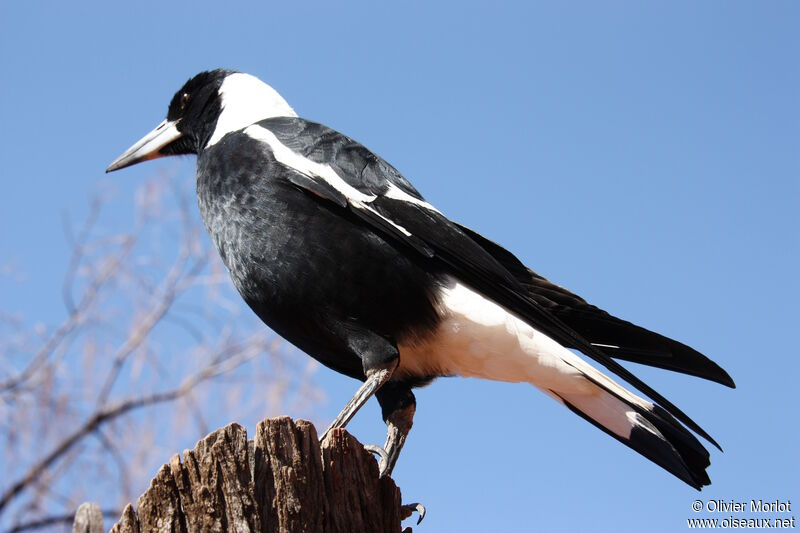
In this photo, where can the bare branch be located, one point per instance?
(145, 326)
(114, 452)
(78, 415)
(73, 321)
(114, 411)
(77, 245)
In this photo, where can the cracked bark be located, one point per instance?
(284, 480)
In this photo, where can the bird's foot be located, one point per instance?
(383, 463)
(408, 509)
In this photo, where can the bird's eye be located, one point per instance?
(184, 100)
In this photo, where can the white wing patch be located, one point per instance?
(247, 100)
(314, 170)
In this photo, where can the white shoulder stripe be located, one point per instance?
(285, 155)
(305, 166)
(396, 193)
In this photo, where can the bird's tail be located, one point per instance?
(479, 338)
(642, 426)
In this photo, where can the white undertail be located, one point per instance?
(479, 338)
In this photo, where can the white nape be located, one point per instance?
(245, 101)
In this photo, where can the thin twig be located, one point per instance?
(73, 321)
(114, 452)
(103, 415)
(77, 245)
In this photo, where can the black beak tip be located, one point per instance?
(112, 167)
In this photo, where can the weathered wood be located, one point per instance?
(289, 477)
(88, 519)
(127, 522)
(283, 481)
(352, 483)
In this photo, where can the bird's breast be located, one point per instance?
(295, 257)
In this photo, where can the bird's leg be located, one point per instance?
(398, 405)
(375, 379)
(398, 425)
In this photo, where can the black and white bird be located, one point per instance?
(338, 253)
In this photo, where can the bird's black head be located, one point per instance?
(191, 118)
(195, 109)
(208, 106)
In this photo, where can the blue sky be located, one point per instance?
(643, 154)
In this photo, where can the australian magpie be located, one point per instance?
(338, 253)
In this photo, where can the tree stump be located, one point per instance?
(282, 481)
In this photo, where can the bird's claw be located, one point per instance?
(384, 457)
(408, 509)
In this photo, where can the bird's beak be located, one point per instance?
(149, 146)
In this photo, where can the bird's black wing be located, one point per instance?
(616, 337)
(356, 164)
(376, 193)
